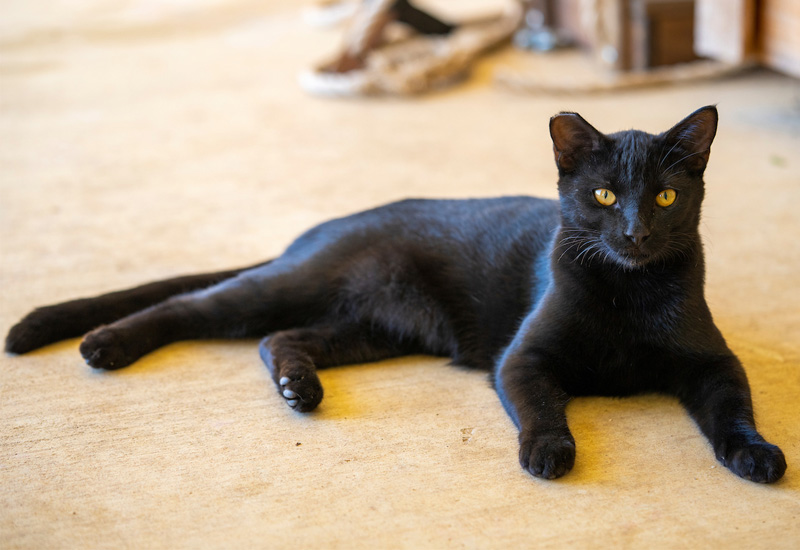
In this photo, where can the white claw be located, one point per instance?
(289, 394)
(292, 402)
(285, 380)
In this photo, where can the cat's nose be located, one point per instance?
(638, 235)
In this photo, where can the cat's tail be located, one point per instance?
(50, 324)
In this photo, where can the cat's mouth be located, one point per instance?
(633, 256)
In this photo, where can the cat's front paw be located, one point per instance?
(547, 455)
(103, 348)
(301, 389)
(761, 462)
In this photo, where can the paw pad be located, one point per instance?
(302, 392)
(103, 349)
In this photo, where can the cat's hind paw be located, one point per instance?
(103, 349)
(24, 337)
(296, 379)
(302, 391)
(37, 329)
(759, 462)
(547, 456)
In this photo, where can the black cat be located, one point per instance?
(599, 293)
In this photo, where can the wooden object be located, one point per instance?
(726, 30)
(779, 35)
(661, 32)
(631, 34)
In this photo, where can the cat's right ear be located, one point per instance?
(572, 137)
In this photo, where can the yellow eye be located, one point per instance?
(605, 197)
(666, 197)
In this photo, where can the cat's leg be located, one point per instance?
(536, 402)
(49, 324)
(293, 357)
(255, 303)
(717, 395)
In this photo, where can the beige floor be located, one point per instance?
(140, 142)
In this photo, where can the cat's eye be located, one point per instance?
(605, 197)
(666, 197)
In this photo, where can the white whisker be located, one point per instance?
(682, 159)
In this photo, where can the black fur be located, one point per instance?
(559, 299)
(421, 21)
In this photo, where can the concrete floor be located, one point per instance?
(141, 141)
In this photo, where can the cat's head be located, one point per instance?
(631, 198)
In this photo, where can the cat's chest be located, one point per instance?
(618, 316)
(640, 311)
(615, 344)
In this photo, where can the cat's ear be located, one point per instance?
(693, 136)
(572, 137)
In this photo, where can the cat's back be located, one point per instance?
(485, 224)
(476, 241)
(467, 215)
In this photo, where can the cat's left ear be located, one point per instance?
(693, 136)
